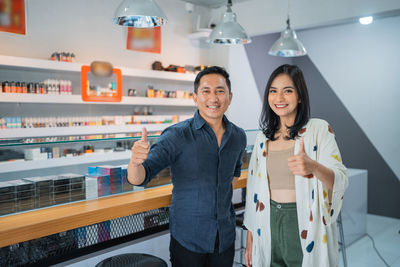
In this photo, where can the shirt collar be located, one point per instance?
(199, 121)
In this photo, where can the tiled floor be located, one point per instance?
(386, 234)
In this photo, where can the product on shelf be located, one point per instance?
(44, 189)
(132, 92)
(47, 122)
(97, 185)
(62, 187)
(126, 186)
(17, 195)
(77, 186)
(157, 93)
(63, 56)
(97, 90)
(157, 65)
(115, 177)
(7, 198)
(49, 86)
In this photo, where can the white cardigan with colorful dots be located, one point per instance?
(317, 207)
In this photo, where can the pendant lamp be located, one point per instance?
(139, 14)
(229, 32)
(288, 45)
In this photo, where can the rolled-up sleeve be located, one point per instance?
(330, 157)
(239, 162)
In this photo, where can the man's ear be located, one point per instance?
(195, 97)
(230, 97)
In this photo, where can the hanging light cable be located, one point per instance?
(139, 14)
(229, 32)
(288, 45)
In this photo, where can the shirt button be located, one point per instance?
(278, 206)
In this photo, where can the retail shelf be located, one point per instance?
(79, 130)
(20, 165)
(55, 66)
(76, 99)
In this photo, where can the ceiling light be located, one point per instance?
(288, 45)
(366, 20)
(229, 32)
(139, 14)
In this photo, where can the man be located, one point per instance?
(204, 154)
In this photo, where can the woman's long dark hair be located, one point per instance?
(270, 122)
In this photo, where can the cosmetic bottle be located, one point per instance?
(13, 87)
(37, 88)
(18, 87)
(24, 88)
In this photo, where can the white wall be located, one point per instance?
(361, 64)
(85, 28)
(246, 105)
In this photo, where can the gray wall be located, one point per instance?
(356, 148)
(261, 63)
(361, 65)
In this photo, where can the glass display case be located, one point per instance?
(75, 192)
(47, 171)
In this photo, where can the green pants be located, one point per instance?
(285, 239)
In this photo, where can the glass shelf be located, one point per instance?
(31, 141)
(71, 139)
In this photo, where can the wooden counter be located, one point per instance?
(39, 223)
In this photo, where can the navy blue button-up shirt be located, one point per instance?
(202, 175)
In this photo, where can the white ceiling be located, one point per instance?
(212, 3)
(268, 16)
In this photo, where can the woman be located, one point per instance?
(295, 183)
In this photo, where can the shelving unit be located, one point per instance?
(79, 130)
(20, 165)
(20, 105)
(11, 62)
(76, 99)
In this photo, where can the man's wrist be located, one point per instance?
(134, 164)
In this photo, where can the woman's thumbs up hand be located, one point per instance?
(301, 164)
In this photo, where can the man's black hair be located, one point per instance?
(212, 70)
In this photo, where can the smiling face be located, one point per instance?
(212, 98)
(283, 98)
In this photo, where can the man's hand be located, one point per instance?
(301, 164)
(140, 150)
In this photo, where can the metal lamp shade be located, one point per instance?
(229, 32)
(139, 14)
(288, 45)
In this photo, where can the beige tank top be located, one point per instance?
(279, 174)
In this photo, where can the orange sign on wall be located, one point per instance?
(144, 40)
(101, 96)
(12, 16)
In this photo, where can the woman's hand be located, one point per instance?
(249, 249)
(301, 164)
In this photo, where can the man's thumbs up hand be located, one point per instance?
(140, 149)
(301, 164)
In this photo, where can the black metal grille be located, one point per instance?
(61, 244)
